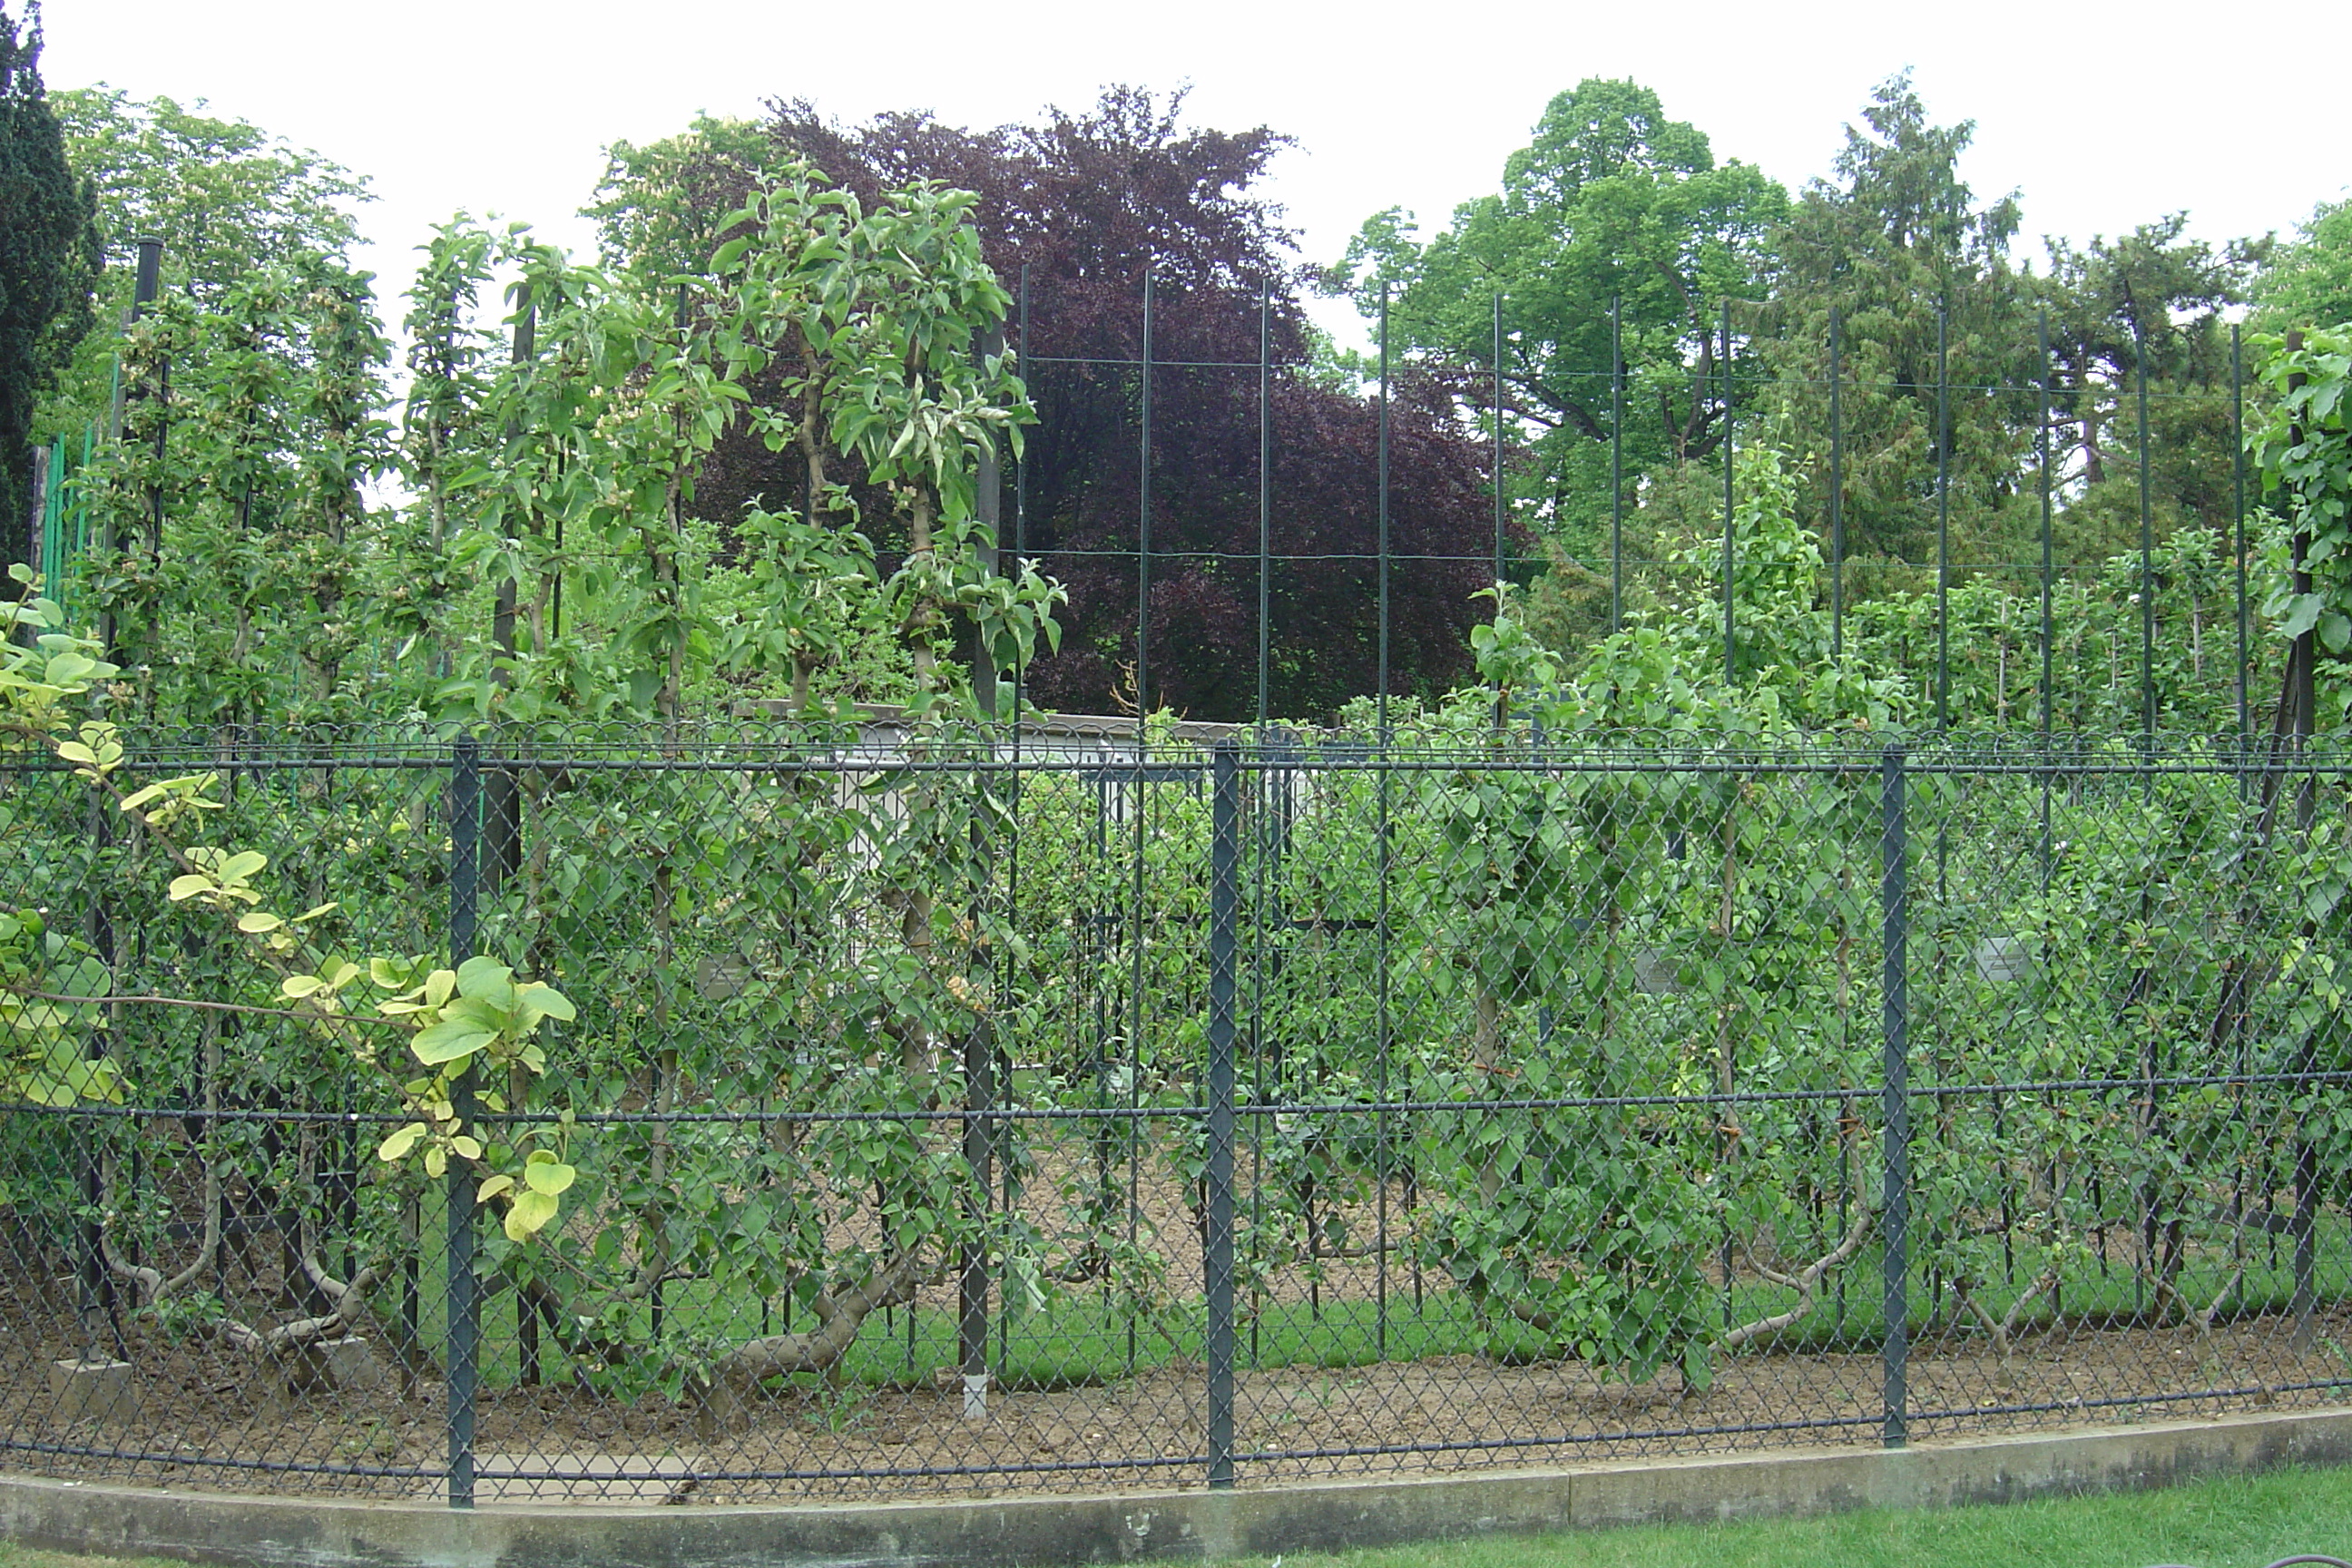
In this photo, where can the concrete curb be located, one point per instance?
(1046, 1530)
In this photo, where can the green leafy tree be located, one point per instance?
(49, 254)
(2309, 280)
(224, 195)
(1611, 200)
(2302, 453)
(662, 208)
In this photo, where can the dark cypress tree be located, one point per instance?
(49, 260)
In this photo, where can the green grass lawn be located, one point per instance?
(1084, 1337)
(2233, 1522)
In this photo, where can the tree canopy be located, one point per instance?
(2309, 283)
(1611, 207)
(226, 197)
(1084, 206)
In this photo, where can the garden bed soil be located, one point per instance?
(206, 1420)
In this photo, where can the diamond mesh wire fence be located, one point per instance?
(959, 1111)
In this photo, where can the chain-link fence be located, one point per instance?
(946, 1114)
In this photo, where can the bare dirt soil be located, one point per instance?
(207, 1417)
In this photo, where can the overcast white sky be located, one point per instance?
(2104, 114)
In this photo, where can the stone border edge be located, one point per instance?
(1051, 1530)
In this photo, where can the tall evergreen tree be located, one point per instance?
(1891, 239)
(2157, 293)
(49, 259)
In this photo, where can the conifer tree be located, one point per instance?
(48, 258)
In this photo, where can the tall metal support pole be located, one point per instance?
(463, 1359)
(1616, 463)
(1217, 1233)
(503, 608)
(146, 281)
(96, 1292)
(1136, 970)
(1020, 549)
(1893, 896)
(146, 284)
(1020, 680)
(1943, 516)
(1381, 1138)
(1381, 482)
(980, 1040)
(1837, 484)
(988, 550)
(502, 793)
(1498, 445)
(972, 1285)
(2299, 701)
(1730, 656)
(2146, 552)
(2238, 508)
(1143, 533)
(2041, 462)
(1264, 493)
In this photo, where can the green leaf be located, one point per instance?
(547, 1000)
(485, 978)
(528, 1214)
(548, 1178)
(450, 1040)
(397, 1146)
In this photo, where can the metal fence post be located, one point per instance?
(1217, 1241)
(94, 1282)
(971, 1286)
(1895, 896)
(465, 1326)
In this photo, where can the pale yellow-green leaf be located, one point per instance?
(449, 1040)
(547, 1000)
(397, 1146)
(241, 865)
(471, 1148)
(529, 1213)
(550, 1178)
(492, 1188)
(257, 923)
(185, 887)
(294, 987)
